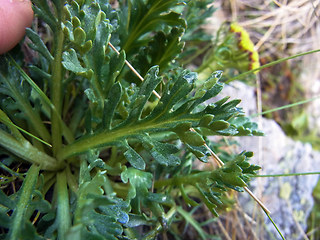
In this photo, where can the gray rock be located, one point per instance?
(288, 198)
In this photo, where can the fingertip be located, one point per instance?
(15, 17)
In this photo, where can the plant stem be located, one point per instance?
(275, 225)
(13, 173)
(286, 106)
(25, 196)
(108, 138)
(72, 183)
(242, 75)
(287, 174)
(178, 180)
(28, 152)
(151, 235)
(63, 211)
(56, 93)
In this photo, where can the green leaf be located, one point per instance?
(196, 14)
(97, 215)
(189, 137)
(71, 62)
(161, 50)
(43, 11)
(20, 92)
(163, 153)
(182, 86)
(236, 173)
(134, 158)
(129, 140)
(79, 36)
(38, 45)
(111, 104)
(200, 152)
(114, 68)
(245, 127)
(5, 201)
(139, 195)
(149, 84)
(176, 111)
(89, 31)
(218, 125)
(211, 185)
(187, 200)
(153, 15)
(139, 181)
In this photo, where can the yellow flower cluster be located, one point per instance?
(246, 45)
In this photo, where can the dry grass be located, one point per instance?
(288, 25)
(283, 28)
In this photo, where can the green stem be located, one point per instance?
(182, 180)
(56, 93)
(275, 225)
(110, 137)
(287, 175)
(72, 183)
(286, 106)
(240, 76)
(48, 182)
(158, 228)
(25, 196)
(63, 211)
(28, 152)
(13, 173)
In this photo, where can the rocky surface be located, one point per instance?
(288, 198)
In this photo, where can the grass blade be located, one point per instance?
(4, 119)
(286, 106)
(242, 75)
(32, 83)
(275, 225)
(189, 219)
(288, 174)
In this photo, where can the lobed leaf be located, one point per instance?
(143, 17)
(176, 112)
(72, 63)
(97, 215)
(38, 45)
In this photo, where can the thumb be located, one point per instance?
(15, 16)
